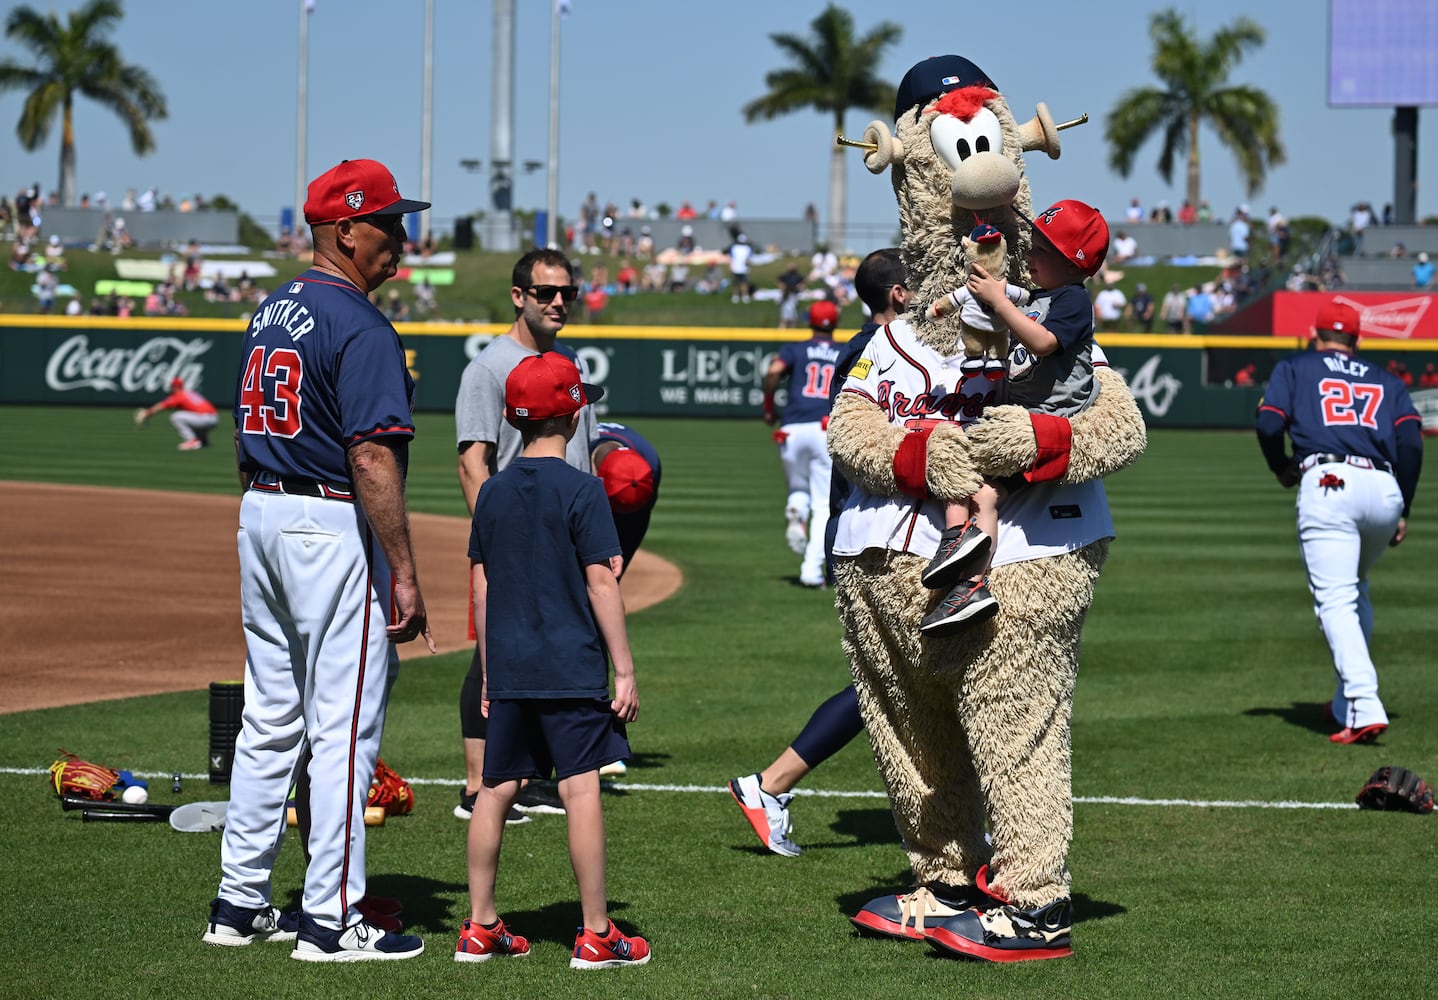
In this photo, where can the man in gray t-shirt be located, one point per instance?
(543, 289)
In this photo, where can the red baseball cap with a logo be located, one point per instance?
(546, 385)
(1337, 316)
(354, 188)
(628, 480)
(823, 315)
(1077, 231)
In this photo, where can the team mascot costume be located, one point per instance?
(972, 729)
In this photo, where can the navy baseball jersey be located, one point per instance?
(811, 375)
(320, 370)
(1335, 403)
(1060, 383)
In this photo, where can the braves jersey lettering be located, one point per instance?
(902, 377)
(322, 370)
(288, 313)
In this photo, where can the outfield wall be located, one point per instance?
(647, 371)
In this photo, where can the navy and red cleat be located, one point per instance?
(910, 915)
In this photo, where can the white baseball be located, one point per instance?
(135, 795)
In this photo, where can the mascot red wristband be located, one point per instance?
(911, 463)
(1054, 436)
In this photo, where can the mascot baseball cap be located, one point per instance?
(546, 385)
(628, 480)
(354, 188)
(1337, 316)
(935, 77)
(823, 315)
(1077, 231)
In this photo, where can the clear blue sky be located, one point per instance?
(651, 98)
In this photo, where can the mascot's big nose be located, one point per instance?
(985, 180)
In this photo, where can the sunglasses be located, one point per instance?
(391, 224)
(544, 294)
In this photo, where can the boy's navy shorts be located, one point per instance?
(544, 737)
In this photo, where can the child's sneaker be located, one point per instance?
(608, 951)
(480, 944)
(961, 549)
(967, 604)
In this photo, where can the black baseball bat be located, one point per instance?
(72, 802)
(113, 816)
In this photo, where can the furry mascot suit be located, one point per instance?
(973, 729)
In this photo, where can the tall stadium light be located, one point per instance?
(499, 225)
(560, 8)
(426, 151)
(306, 9)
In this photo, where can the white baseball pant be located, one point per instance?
(807, 468)
(1342, 531)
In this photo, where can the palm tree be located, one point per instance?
(830, 71)
(74, 58)
(1195, 91)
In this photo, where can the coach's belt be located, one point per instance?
(1355, 460)
(268, 482)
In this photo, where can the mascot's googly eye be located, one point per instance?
(956, 140)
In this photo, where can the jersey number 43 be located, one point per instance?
(270, 392)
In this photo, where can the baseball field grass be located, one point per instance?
(1216, 850)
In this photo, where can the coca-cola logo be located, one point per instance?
(147, 368)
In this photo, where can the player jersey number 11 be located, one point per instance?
(817, 379)
(270, 392)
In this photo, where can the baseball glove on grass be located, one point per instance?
(72, 776)
(1396, 788)
(390, 792)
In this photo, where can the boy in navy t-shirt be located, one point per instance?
(549, 616)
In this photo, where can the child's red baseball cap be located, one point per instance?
(1077, 231)
(353, 188)
(546, 385)
(628, 480)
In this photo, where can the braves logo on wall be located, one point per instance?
(146, 368)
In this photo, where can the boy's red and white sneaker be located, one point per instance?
(478, 944)
(607, 951)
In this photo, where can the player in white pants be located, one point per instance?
(1357, 455)
(803, 444)
(1340, 539)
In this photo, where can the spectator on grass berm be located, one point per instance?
(626, 278)
(193, 417)
(1187, 214)
(1239, 232)
(1124, 247)
(1134, 212)
(1109, 306)
(1142, 308)
(1199, 309)
(543, 293)
(1423, 272)
(1356, 480)
(791, 283)
(1161, 213)
(46, 284)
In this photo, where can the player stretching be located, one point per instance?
(803, 448)
(1357, 455)
(1050, 371)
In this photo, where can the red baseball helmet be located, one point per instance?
(823, 315)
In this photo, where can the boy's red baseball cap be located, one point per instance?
(354, 188)
(628, 480)
(1077, 231)
(1339, 317)
(546, 385)
(823, 315)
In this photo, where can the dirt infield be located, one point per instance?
(111, 593)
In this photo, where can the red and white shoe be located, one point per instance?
(609, 950)
(480, 944)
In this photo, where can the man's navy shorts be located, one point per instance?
(544, 737)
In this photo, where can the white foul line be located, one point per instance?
(627, 786)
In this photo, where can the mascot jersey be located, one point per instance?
(913, 384)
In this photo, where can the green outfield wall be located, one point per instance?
(647, 371)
